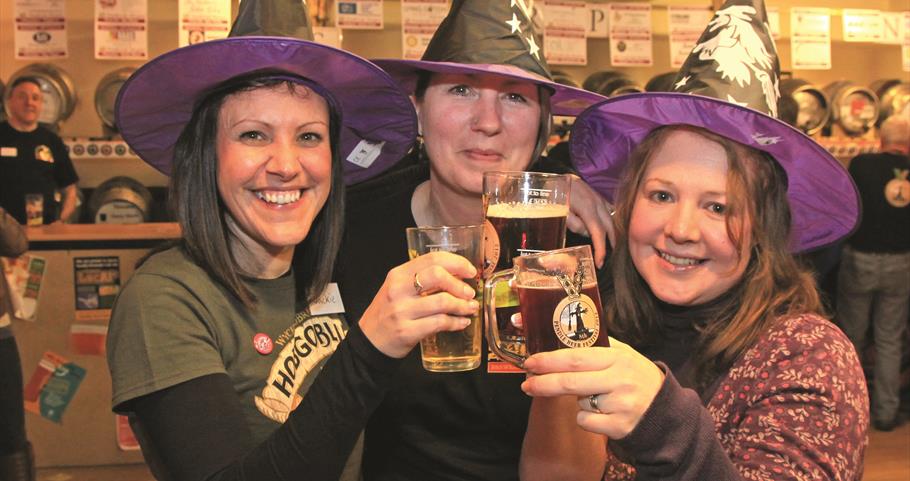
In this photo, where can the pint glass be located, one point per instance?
(451, 351)
(525, 214)
(558, 299)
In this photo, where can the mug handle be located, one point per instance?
(493, 340)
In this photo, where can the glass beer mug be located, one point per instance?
(558, 299)
(525, 214)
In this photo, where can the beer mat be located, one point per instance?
(25, 275)
(88, 339)
(126, 439)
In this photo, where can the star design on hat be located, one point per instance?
(682, 82)
(763, 139)
(515, 23)
(737, 102)
(532, 46)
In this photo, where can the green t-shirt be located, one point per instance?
(171, 323)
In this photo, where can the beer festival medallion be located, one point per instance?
(576, 322)
(490, 249)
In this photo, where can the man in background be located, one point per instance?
(34, 163)
(874, 278)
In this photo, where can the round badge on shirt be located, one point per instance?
(263, 343)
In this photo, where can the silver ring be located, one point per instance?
(418, 287)
(592, 400)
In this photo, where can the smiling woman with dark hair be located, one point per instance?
(230, 352)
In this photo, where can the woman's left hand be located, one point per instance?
(623, 381)
(591, 215)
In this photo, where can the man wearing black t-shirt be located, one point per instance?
(33, 161)
(874, 278)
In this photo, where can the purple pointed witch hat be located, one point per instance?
(729, 86)
(495, 37)
(378, 122)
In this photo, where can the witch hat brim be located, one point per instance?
(823, 198)
(565, 100)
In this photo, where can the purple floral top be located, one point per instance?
(793, 407)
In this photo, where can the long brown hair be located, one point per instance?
(774, 284)
(193, 195)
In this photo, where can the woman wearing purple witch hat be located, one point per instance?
(230, 352)
(728, 369)
(483, 95)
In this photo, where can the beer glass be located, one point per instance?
(558, 299)
(525, 213)
(452, 351)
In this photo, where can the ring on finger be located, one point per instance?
(592, 400)
(418, 287)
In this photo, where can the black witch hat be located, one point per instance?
(275, 18)
(495, 37)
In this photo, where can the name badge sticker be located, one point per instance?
(365, 153)
(329, 302)
(9, 152)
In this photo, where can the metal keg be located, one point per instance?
(57, 87)
(814, 105)
(106, 95)
(661, 83)
(120, 200)
(893, 95)
(610, 83)
(563, 78)
(854, 108)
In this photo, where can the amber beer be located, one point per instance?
(549, 326)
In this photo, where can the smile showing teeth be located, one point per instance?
(678, 261)
(280, 198)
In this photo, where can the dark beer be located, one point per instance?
(527, 228)
(552, 320)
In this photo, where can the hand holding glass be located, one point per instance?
(451, 351)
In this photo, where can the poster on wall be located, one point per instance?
(121, 29)
(330, 36)
(630, 35)
(25, 276)
(597, 24)
(861, 25)
(419, 21)
(360, 15)
(97, 282)
(774, 21)
(201, 20)
(905, 49)
(891, 28)
(686, 23)
(564, 40)
(40, 29)
(52, 386)
(810, 38)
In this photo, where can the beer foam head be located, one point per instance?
(516, 210)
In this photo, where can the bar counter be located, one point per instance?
(82, 268)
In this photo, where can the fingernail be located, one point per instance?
(465, 322)
(473, 305)
(468, 292)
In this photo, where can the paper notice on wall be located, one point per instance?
(630, 35)
(810, 38)
(419, 21)
(564, 40)
(126, 440)
(40, 29)
(905, 49)
(774, 21)
(52, 386)
(861, 25)
(88, 339)
(330, 36)
(25, 275)
(360, 15)
(121, 29)
(685, 27)
(891, 28)
(597, 25)
(202, 20)
(97, 283)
